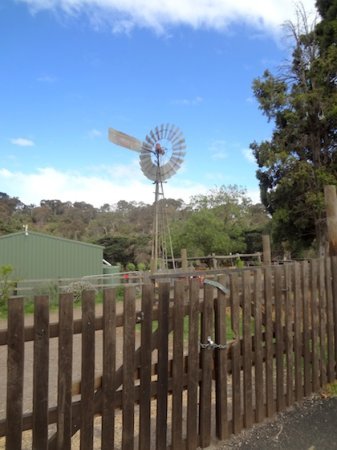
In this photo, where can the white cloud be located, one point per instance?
(47, 78)
(248, 154)
(94, 133)
(22, 142)
(107, 186)
(124, 15)
(218, 149)
(188, 102)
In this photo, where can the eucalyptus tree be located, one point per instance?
(301, 157)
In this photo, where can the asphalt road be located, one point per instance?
(311, 425)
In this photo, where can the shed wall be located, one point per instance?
(36, 256)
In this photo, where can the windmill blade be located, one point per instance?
(162, 130)
(147, 148)
(177, 160)
(124, 140)
(158, 135)
(178, 140)
(167, 171)
(179, 154)
(153, 137)
(150, 140)
(151, 173)
(179, 148)
(177, 133)
(166, 130)
(171, 132)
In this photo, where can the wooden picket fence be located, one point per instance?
(175, 365)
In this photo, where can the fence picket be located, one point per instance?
(163, 328)
(315, 326)
(206, 367)
(289, 327)
(268, 298)
(279, 343)
(15, 367)
(109, 368)
(247, 351)
(330, 324)
(322, 317)
(236, 354)
(221, 365)
(65, 359)
(306, 328)
(178, 365)
(41, 372)
(258, 339)
(334, 300)
(193, 366)
(87, 370)
(298, 340)
(145, 368)
(128, 395)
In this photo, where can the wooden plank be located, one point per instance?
(247, 352)
(298, 340)
(193, 366)
(236, 354)
(15, 367)
(64, 379)
(268, 299)
(322, 317)
(206, 367)
(128, 394)
(163, 330)
(221, 374)
(289, 327)
(279, 343)
(258, 339)
(41, 372)
(109, 368)
(178, 365)
(315, 325)
(306, 328)
(334, 300)
(87, 370)
(330, 323)
(145, 368)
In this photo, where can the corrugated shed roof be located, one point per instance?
(49, 236)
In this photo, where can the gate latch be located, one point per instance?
(211, 345)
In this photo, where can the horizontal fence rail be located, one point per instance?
(170, 364)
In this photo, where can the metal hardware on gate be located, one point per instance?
(139, 317)
(211, 345)
(217, 285)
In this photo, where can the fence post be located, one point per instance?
(266, 249)
(331, 217)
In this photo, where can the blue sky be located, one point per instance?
(71, 69)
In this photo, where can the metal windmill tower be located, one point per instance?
(161, 154)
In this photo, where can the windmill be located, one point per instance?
(160, 156)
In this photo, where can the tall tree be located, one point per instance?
(301, 157)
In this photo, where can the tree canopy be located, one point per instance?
(301, 157)
(221, 221)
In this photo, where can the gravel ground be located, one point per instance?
(309, 425)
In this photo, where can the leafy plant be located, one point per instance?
(7, 284)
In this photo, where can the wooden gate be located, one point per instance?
(177, 365)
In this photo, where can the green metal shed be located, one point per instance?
(42, 256)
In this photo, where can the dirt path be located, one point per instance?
(53, 359)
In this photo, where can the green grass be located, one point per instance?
(52, 291)
(330, 390)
